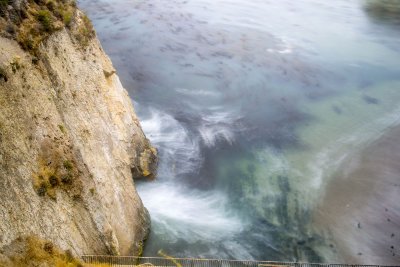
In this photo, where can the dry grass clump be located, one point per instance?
(86, 31)
(36, 20)
(32, 251)
(56, 170)
(16, 64)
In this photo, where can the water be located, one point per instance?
(253, 106)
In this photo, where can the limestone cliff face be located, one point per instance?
(69, 144)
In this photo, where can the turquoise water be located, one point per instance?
(253, 106)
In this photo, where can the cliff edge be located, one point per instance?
(70, 141)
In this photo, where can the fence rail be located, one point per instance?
(126, 261)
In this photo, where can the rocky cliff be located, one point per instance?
(69, 138)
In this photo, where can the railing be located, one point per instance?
(126, 261)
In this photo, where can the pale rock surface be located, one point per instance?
(71, 107)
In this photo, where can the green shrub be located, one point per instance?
(51, 5)
(62, 129)
(35, 60)
(42, 189)
(40, 2)
(3, 74)
(45, 19)
(86, 31)
(67, 179)
(86, 20)
(16, 64)
(53, 180)
(68, 165)
(37, 21)
(67, 18)
(27, 43)
(3, 3)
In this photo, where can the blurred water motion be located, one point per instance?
(255, 108)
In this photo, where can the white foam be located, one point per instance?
(196, 215)
(286, 48)
(195, 92)
(217, 126)
(179, 153)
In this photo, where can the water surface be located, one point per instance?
(254, 107)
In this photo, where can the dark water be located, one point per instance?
(252, 105)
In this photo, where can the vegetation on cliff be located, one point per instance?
(69, 137)
(56, 170)
(33, 251)
(32, 21)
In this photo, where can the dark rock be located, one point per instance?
(10, 29)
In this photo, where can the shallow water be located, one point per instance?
(253, 106)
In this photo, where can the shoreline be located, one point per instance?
(359, 212)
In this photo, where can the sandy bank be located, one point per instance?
(361, 207)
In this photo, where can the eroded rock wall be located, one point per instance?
(69, 143)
